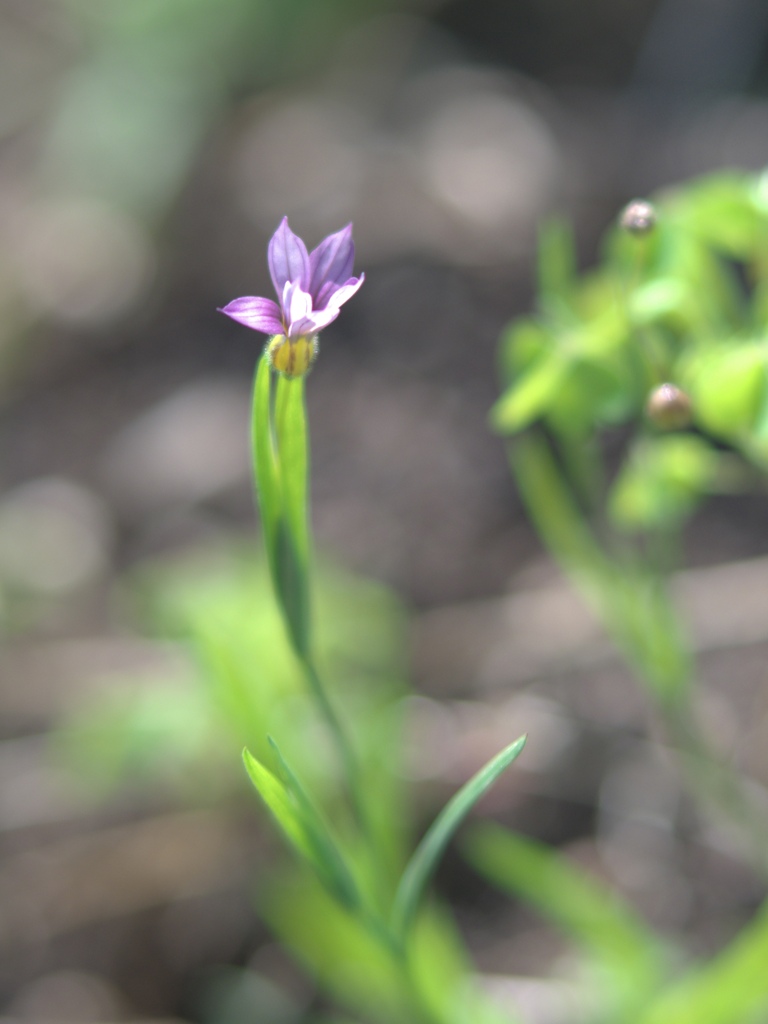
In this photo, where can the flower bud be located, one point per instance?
(293, 357)
(668, 407)
(638, 217)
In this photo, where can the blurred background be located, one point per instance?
(148, 149)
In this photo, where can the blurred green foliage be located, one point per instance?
(243, 685)
(684, 303)
(628, 974)
(241, 681)
(638, 390)
(609, 474)
(153, 74)
(620, 952)
(662, 481)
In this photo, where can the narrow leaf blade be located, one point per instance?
(302, 826)
(326, 854)
(594, 916)
(279, 803)
(430, 849)
(731, 987)
(531, 394)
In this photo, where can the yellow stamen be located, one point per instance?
(293, 357)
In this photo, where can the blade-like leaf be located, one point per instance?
(531, 394)
(302, 826)
(662, 481)
(279, 803)
(589, 912)
(326, 851)
(360, 971)
(731, 989)
(431, 847)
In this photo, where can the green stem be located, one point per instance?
(716, 782)
(636, 611)
(280, 445)
(401, 954)
(347, 755)
(412, 986)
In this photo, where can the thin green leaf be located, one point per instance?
(531, 395)
(350, 961)
(443, 974)
(430, 849)
(326, 852)
(662, 482)
(729, 384)
(522, 345)
(721, 211)
(302, 826)
(279, 803)
(731, 989)
(590, 913)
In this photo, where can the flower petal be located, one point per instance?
(331, 262)
(317, 319)
(257, 313)
(329, 290)
(297, 305)
(314, 322)
(337, 295)
(288, 259)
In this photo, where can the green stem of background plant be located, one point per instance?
(637, 612)
(717, 783)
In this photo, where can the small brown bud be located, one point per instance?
(668, 407)
(638, 217)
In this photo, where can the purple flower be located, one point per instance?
(311, 287)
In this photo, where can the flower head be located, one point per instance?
(311, 289)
